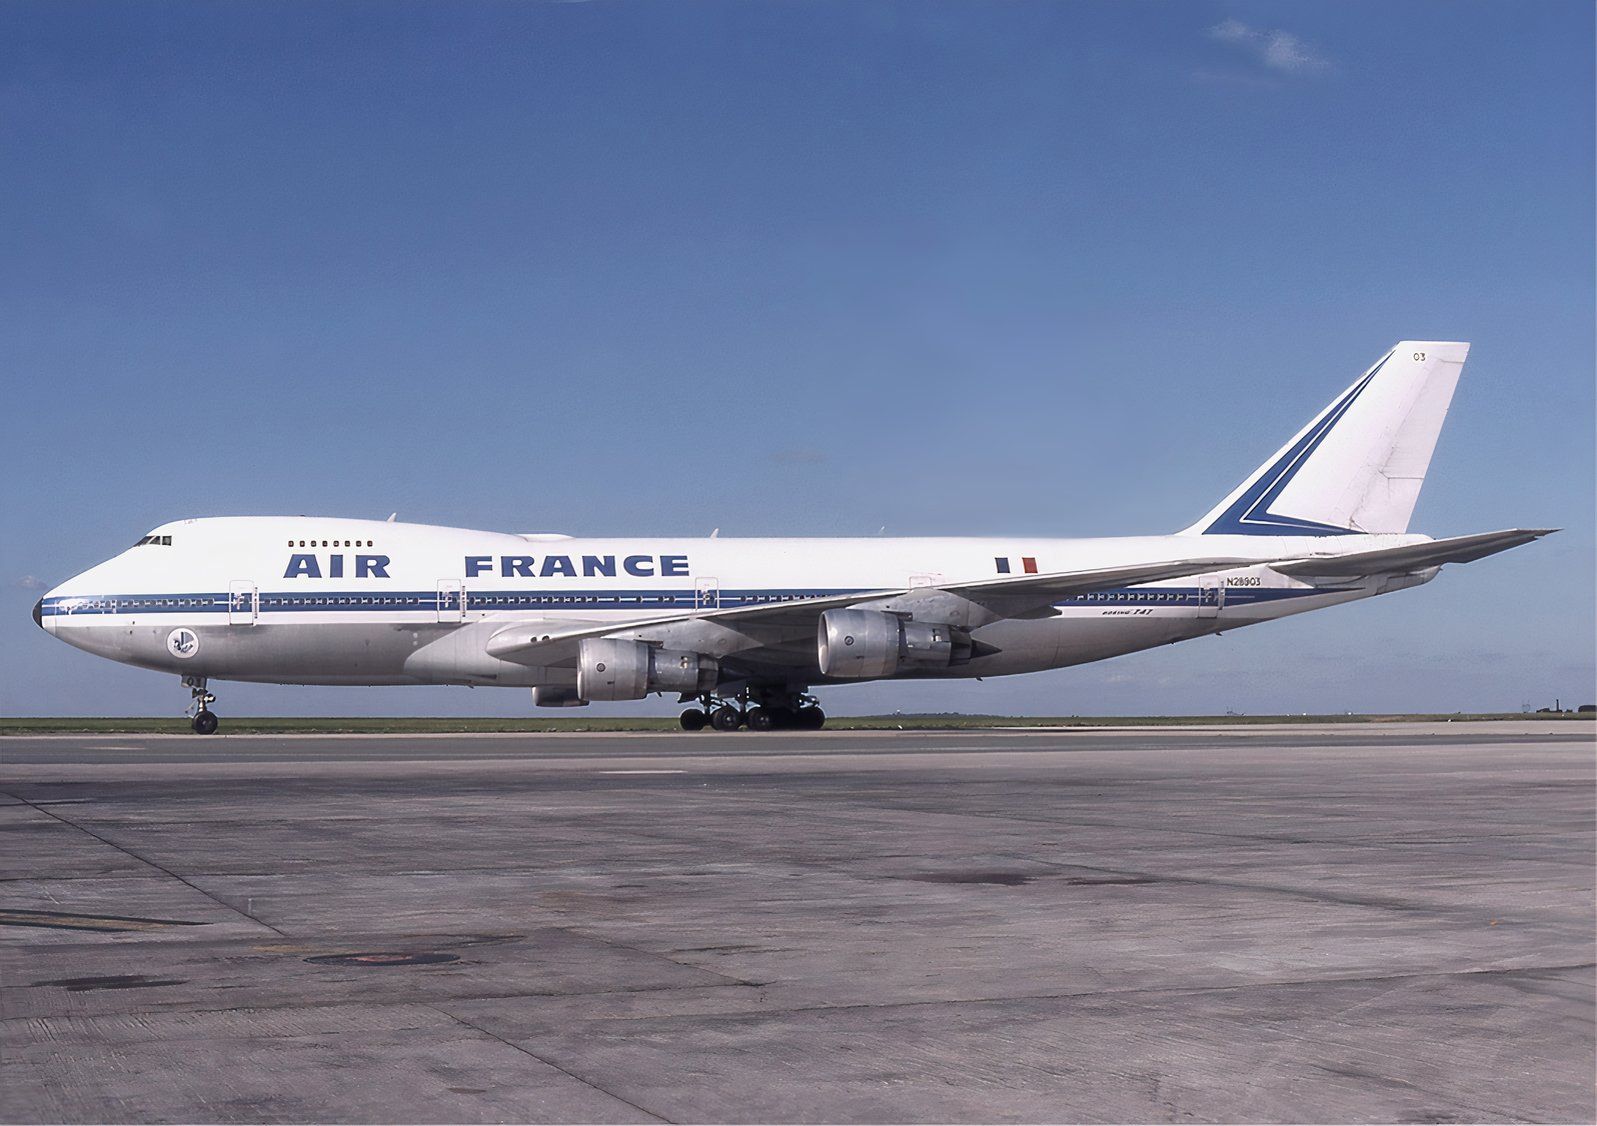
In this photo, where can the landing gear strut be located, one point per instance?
(201, 717)
(716, 712)
(788, 711)
(795, 711)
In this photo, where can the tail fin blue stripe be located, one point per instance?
(1250, 514)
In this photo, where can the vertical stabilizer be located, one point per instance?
(1358, 466)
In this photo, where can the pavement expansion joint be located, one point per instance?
(524, 1050)
(143, 860)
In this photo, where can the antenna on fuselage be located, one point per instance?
(391, 518)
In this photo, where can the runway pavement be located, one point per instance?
(1344, 923)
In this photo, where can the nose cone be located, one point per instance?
(38, 613)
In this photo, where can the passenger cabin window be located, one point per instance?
(335, 543)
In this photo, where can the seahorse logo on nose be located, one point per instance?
(183, 642)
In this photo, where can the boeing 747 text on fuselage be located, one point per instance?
(744, 629)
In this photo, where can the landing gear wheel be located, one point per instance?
(694, 720)
(761, 720)
(784, 719)
(811, 719)
(726, 719)
(201, 717)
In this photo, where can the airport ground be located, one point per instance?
(1285, 923)
(597, 720)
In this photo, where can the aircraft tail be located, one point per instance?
(1358, 466)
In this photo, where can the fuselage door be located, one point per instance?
(706, 594)
(451, 600)
(1211, 598)
(243, 603)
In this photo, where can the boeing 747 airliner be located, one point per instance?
(745, 628)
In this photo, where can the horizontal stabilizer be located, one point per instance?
(1415, 557)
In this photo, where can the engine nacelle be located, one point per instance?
(556, 696)
(868, 643)
(609, 669)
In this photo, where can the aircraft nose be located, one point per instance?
(38, 613)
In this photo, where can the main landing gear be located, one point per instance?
(790, 712)
(201, 717)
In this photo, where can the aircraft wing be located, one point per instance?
(1007, 596)
(1026, 592)
(1415, 557)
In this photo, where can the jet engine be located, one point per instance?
(609, 669)
(868, 643)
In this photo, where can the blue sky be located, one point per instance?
(800, 268)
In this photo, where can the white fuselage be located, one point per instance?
(313, 600)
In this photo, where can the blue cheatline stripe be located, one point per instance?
(344, 601)
(1250, 515)
(1176, 596)
(427, 601)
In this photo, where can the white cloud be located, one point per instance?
(1272, 48)
(31, 582)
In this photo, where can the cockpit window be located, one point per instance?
(164, 541)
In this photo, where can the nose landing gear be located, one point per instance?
(201, 718)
